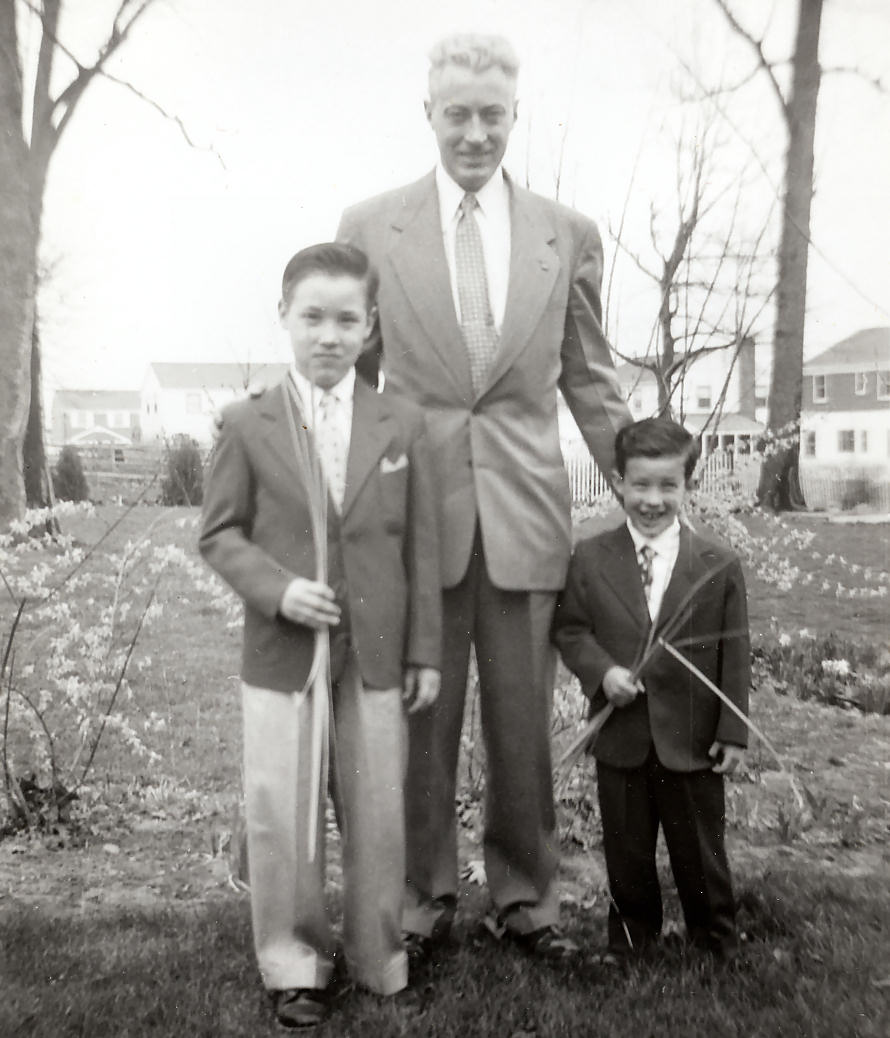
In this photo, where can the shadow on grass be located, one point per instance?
(815, 963)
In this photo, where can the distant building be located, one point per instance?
(182, 399)
(719, 392)
(845, 410)
(94, 416)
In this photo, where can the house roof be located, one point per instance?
(202, 376)
(97, 399)
(867, 350)
(736, 424)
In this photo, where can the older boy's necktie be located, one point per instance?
(644, 557)
(477, 323)
(331, 446)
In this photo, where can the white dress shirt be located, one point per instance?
(665, 547)
(493, 220)
(340, 396)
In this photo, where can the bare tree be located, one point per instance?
(798, 109)
(26, 155)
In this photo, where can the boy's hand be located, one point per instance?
(619, 686)
(421, 688)
(727, 757)
(309, 602)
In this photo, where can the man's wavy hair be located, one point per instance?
(475, 51)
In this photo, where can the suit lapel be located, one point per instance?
(372, 431)
(621, 572)
(418, 257)
(277, 431)
(534, 268)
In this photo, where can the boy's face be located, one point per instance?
(328, 322)
(653, 491)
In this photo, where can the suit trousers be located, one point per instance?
(292, 934)
(510, 633)
(689, 806)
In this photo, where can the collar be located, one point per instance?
(492, 196)
(666, 543)
(310, 395)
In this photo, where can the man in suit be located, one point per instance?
(662, 753)
(380, 603)
(489, 300)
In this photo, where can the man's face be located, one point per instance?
(472, 114)
(653, 490)
(328, 322)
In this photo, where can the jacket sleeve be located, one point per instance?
(572, 631)
(226, 525)
(423, 642)
(351, 232)
(735, 658)
(588, 380)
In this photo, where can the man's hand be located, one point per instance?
(421, 688)
(619, 686)
(727, 757)
(309, 602)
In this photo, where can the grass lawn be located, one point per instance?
(129, 925)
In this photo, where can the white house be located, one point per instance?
(182, 399)
(845, 423)
(91, 416)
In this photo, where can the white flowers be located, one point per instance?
(836, 668)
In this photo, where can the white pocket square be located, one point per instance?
(393, 466)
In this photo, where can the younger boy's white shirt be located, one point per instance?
(666, 548)
(342, 394)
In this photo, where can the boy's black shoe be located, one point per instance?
(300, 1007)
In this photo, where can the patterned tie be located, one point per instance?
(477, 323)
(331, 446)
(644, 557)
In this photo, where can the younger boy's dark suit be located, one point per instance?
(383, 555)
(652, 755)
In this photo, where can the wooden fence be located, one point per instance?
(835, 487)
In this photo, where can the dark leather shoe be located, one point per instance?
(300, 1007)
(547, 942)
(421, 948)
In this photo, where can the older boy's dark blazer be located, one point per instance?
(602, 621)
(256, 535)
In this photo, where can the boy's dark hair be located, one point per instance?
(656, 438)
(336, 259)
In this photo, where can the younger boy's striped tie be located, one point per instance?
(644, 558)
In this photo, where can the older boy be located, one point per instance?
(381, 605)
(662, 754)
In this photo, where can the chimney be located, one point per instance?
(745, 363)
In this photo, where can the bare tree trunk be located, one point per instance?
(18, 257)
(777, 487)
(34, 449)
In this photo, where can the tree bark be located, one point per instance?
(34, 448)
(777, 478)
(18, 261)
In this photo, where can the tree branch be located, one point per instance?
(757, 46)
(843, 70)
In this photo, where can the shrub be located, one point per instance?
(184, 480)
(69, 481)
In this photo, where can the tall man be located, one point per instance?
(489, 299)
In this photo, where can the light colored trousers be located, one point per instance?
(292, 934)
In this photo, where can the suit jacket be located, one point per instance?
(256, 533)
(602, 621)
(496, 453)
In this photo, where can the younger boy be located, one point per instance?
(381, 605)
(662, 754)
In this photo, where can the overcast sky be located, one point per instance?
(160, 251)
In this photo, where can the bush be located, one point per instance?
(69, 481)
(184, 480)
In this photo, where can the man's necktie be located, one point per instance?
(477, 323)
(644, 557)
(331, 446)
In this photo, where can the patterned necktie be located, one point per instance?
(644, 557)
(331, 446)
(477, 323)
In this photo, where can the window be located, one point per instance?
(846, 441)
(702, 396)
(100, 418)
(636, 401)
(863, 441)
(884, 385)
(760, 393)
(809, 444)
(193, 403)
(820, 389)
(860, 383)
